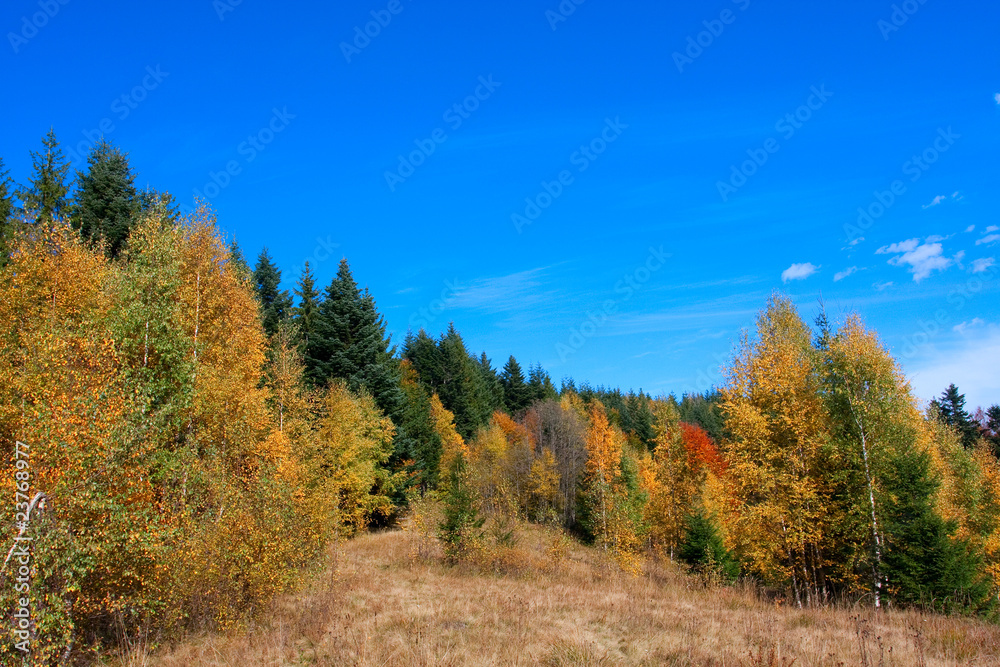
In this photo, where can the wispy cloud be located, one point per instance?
(992, 238)
(997, 98)
(840, 275)
(510, 292)
(961, 328)
(798, 272)
(902, 246)
(980, 265)
(940, 199)
(970, 228)
(881, 287)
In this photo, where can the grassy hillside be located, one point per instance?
(387, 599)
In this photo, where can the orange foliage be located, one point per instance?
(701, 449)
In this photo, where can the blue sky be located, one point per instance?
(626, 124)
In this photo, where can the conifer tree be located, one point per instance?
(417, 439)
(924, 562)
(540, 384)
(163, 203)
(457, 383)
(275, 303)
(238, 261)
(106, 203)
(305, 315)
(492, 387)
(422, 351)
(7, 213)
(993, 426)
(951, 411)
(351, 344)
(46, 194)
(462, 525)
(516, 393)
(703, 549)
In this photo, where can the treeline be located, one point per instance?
(200, 436)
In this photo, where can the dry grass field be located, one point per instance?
(388, 600)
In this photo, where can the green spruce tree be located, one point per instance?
(462, 526)
(457, 386)
(516, 392)
(924, 563)
(492, 387)
(239, 261)
(540, 384)
(702, 548)
(305, 315)
(45, 197)
(951, 411)
(417, 439)
(107, 203)
(8, 214)
(162, 203)
(993, 428)
(275, 303)
(351, 344)
(422, 352)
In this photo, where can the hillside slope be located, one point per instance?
(386, 601)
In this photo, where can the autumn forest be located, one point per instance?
(193, 439)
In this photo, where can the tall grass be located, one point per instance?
(388, 599)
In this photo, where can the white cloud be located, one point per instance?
(992, 238)
(881, 287)
(970, 228)
(973, 364)
(856, 241)
(843, 274)
(943, 198)
(997, 98)
(920, 258)
(992, 228)
(980, 265)
(902, 246)
(961, 328)
(798, 272)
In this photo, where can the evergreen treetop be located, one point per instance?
(106, 202)
(951, 411)
(516, 392)
(306, 312)
(8, 212)
(47, 190)
(275, 303)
